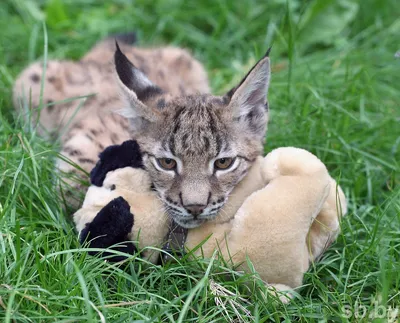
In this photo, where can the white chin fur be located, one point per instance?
(189, 224)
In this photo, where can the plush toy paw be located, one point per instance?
(110, 226)
(114, 157)
(283, 292)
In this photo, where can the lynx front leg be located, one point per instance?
(78, 157)
(81, 148)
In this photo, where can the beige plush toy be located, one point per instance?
(282, 215)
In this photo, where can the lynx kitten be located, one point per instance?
(196, 146)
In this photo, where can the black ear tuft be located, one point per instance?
(133, 78)
(268, 52)
(124, 67)
(114, 157)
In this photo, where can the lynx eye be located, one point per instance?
(223, 163)
(166, 163)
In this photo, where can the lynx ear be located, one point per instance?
(136, 87)
(248, 101)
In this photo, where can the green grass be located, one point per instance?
(335, 91)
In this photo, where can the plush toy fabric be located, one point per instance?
(121, 205)
(282, 215)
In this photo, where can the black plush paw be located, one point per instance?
(114, 157)
(110, 226)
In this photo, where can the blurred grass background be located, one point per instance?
(335, 91)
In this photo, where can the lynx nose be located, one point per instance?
(195, 209)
